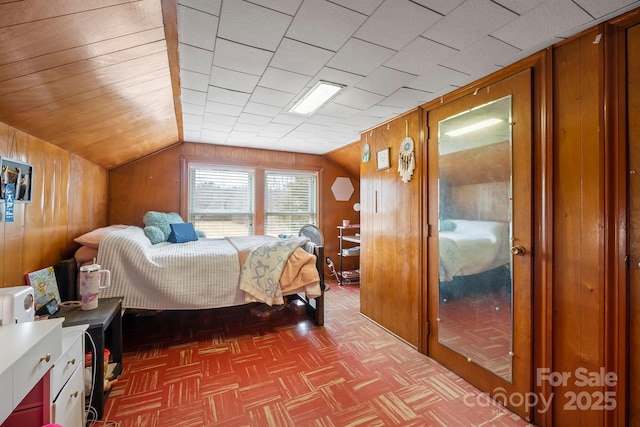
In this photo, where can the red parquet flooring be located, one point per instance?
(226, 367)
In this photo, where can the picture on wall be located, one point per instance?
(19, 176)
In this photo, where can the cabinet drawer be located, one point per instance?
(36, 362)
(71, 359)
(68, 408)
(6, 403)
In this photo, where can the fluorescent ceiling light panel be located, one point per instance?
(320, 94)
(472, 127)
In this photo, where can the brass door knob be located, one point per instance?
(518, 250)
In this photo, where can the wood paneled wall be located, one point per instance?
(155, 183)
(391, 232)
(69, 197)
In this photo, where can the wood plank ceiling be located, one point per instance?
(90, 76)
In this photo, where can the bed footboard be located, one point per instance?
(315, 306)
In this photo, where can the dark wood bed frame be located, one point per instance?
(67, 276)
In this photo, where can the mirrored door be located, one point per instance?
(479, 248)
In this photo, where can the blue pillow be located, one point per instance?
(182, 232)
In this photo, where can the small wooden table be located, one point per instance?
(107, 317)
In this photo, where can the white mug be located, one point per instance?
(92, 279)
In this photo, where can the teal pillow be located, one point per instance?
(160, 220)
(154, 234)
(201, 234)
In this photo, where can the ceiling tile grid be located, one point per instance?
(245, 63)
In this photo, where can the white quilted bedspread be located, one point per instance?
(166, 276)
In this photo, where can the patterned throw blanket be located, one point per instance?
(263, 267)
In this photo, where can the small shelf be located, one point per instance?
(349, 276)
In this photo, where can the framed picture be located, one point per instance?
(19, 176)
(383, 159)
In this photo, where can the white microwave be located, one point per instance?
(16, 305)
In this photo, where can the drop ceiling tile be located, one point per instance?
(225, 96)
(519, 6)
(324, 24)
(194, 119)
(254, 119)
(233, 80)
(247, 127)
(195, 59)
(396, 22)
(481, 58)
(191, 136)
(419, 56)
(358, 98)
(323, 120)
(545, 22)
(442, 6)
(217, 127)
(599, 8)
(329, 74)
(193, 96)
(262, 109)
(288, 119)
(384, 81)
(472, 20)
(361, 122)
(438, 77)
(252, 25)
(407, 98)
(383, 112)
(192, 127)
(211, 120)
(363, 6)
(285, 6)
(238, 57)
(300, 58)
(226, 109)
(272, 97)
(195, 28)
(194, 81)
(209, 6)
(340, 111)
(213, 137)
(192, 109)
(283, 80)
(360, 57)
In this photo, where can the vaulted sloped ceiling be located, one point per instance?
(91, 76)
(115, 80)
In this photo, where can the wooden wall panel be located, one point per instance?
(391, 233)
(155, 183)
(348, 157)
(578, 200)
(69, 197)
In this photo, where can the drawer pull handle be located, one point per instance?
(46, 358)
(75, 394)
(72, 361)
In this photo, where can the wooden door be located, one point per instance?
(480, 241)
(633, 105)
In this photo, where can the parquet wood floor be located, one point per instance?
(227, 367)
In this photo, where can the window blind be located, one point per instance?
(221, 201)
(291, 201)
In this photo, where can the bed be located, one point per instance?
(211, 273)
(471, 247)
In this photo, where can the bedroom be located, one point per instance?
(120, 183)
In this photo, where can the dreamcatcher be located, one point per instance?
(366, 155)
(406, 159)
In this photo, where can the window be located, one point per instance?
(290, 201)
(221, 200)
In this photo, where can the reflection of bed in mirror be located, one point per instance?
(472, 249)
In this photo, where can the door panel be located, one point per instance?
(480, 247)
(633, 105)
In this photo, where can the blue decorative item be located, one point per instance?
(9, 197)
(182, 232)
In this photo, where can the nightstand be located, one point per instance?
(104, 326)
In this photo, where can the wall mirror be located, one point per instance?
(474, 238)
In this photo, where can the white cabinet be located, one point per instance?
(67, 380)
(31, 348)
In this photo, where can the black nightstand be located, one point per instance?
(105, 321)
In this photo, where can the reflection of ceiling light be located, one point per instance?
(320, 94)
(478, 125)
